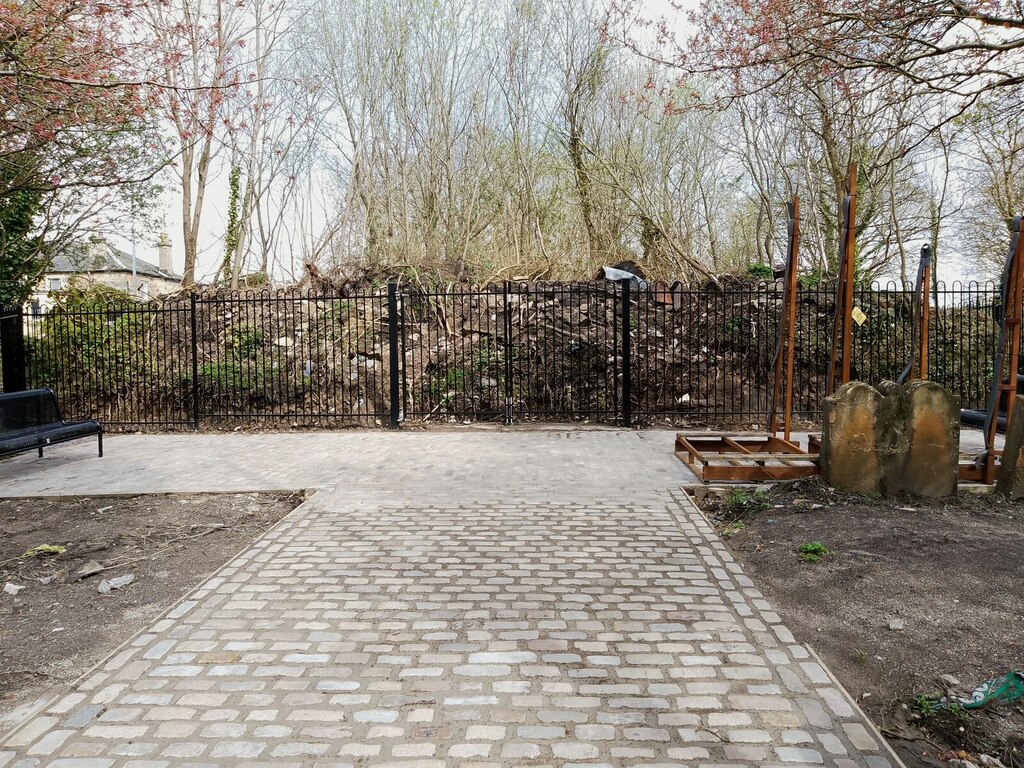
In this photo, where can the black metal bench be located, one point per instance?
(31, 420)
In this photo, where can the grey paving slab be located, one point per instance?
(507, 600)
(597, 459)
(602, 461)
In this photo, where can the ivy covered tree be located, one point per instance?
(23, 255)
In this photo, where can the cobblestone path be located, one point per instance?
(438, 625)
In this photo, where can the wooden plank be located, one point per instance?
(738, 446)
(970, 473)
(755, 473)
(759, 456)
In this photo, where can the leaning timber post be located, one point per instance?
(791, 287)
(784, 358)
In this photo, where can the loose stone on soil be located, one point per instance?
(109, 585)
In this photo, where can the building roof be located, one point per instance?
(100, 256)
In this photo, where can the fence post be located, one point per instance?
(627, 368)
(393, 354)
(12, 349)
(195, 364)
(508, 352)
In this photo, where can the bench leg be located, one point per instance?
(40, 451)
(100, 438)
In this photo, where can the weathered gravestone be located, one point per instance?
(849, 439)
(897, 438)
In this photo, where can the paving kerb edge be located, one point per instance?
(5, 736)
(137, 494)
(886, 747)
(857, 708)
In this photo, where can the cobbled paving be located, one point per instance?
(363, 631)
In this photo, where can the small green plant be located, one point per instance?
(732, 529)
(732, 326)
(739, 503)
(230, 376)
(813, 552)
(924, 705)
(340, 309)
(447, 385)
(862, 656)
(812, 280)
(245, 340)
(760, 272)
(256, 280)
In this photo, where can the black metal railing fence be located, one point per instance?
(513, 352)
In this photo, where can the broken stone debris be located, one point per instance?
(109, 585)
(91, 568)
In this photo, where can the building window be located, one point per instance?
(55, 283)
(36, 308)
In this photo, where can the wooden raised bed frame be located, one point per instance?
(720, 456)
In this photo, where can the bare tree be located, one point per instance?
(992, 151)
(200, 42)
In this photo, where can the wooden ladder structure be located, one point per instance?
(724, 456)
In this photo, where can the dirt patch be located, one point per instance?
(57, 625)
(905, 591)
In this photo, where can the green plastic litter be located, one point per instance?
(1006, 688)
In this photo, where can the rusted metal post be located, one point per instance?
(784, 358)
(842, 331)
(917, 366)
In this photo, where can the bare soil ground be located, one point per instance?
(57, 626)
(911, 590)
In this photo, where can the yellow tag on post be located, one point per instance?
(858, 316)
